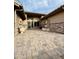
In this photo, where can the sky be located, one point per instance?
(41, 6)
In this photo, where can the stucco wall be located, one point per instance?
(59, 17)
(56, 22)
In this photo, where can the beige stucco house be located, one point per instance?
(54, 21)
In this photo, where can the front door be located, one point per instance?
(36, 24)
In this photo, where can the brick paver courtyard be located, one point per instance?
(36, 44)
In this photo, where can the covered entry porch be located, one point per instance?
(33, 19)
(33, 23)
